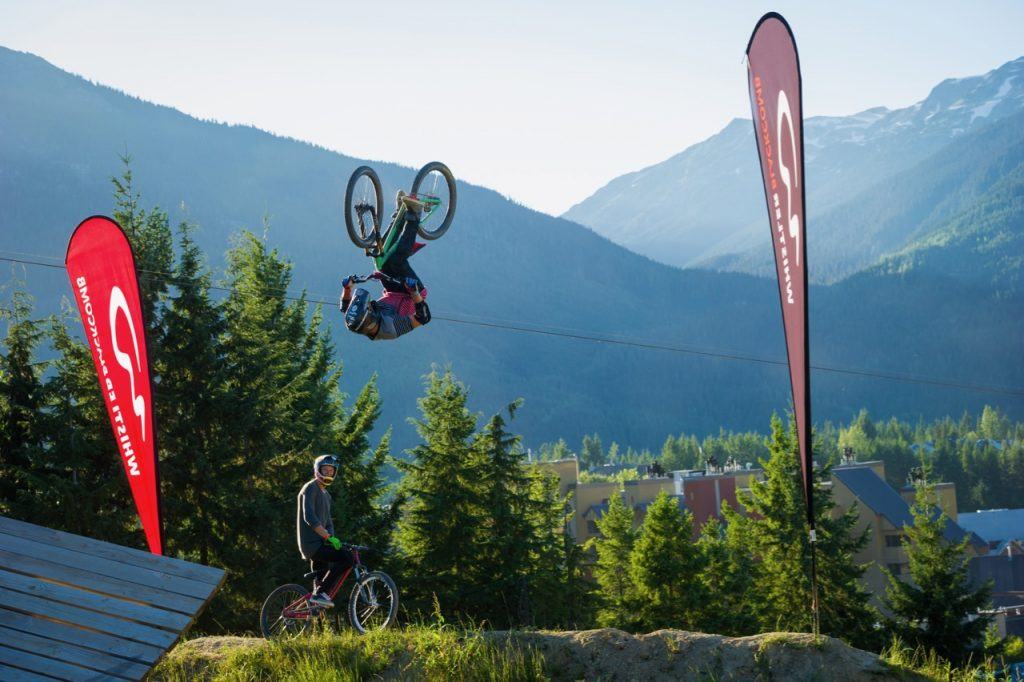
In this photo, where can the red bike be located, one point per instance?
(372, 604)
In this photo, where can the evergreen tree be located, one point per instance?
(938, 608)
(194, 415)
(665, 567)
(729, 604)
(437, 532)
(22, 438)
(152, 242)
(777, 535)
(507, 535)
(592, 453)
(79, 482)
(614, 548)
(554, 581)
(361, 486)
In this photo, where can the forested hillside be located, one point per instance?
(60, 142)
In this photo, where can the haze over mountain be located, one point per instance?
(876, 180)
(60, 138)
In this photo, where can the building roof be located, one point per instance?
(995, 525)
(882, 499)
(642, 506)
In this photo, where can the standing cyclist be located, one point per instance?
(315, 530)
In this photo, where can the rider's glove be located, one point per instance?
(333, 542)
(410, 283)
(347, 282)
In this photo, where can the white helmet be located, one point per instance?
(321, 461)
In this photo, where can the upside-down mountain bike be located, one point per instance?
(434, 186)
(372, 604)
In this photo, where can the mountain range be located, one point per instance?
(502, 265)
(877, 182)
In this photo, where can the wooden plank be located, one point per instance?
(98, 602)
(108, 567)
(18, 675)
(136, 557)
(99, 583)
(47, 666)
(75, 655)
(109, 644)
(90, 619)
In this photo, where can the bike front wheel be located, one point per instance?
(373, 604)
(286, 612)
(435, 187)
(364, 203)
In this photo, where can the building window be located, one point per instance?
(893, 540)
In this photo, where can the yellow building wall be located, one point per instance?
(587, 495)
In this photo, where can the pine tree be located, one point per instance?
(437, 532)
(361, 517)
(553, 581)
(592, 453)
(727, 577)
(507, 533)
(665, 566)
(22, 438)
(777, 534)
(612, 571)
(80, 478)
(938, 608)
(194, 415)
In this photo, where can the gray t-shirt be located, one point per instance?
(392, 325)
(314, 509)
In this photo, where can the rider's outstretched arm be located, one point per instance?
(346, 294)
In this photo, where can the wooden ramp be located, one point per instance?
(73, 608)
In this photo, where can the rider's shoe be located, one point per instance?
(413, 204)
(399, 195)
(321, 599)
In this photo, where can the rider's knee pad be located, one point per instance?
(422, 313)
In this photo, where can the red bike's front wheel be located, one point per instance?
(373, 604)
(364, 203)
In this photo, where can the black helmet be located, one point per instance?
(322, 461)
(360, 316)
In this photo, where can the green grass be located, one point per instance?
(927, 663)
(418, 652)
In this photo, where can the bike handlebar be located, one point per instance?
(377, 275)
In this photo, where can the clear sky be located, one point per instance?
(542, 100)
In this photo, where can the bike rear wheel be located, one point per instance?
(373, 604)
(435, 186)
(275, 622)
(364, 204)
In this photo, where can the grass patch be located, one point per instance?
(918, 661)
(418, 652)
(792, 641)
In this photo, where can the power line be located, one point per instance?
(27, 259)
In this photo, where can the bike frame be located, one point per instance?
(387, 243)
(293, 610)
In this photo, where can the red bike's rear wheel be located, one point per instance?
(287, 612)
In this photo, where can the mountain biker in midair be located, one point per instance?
(403, 307)
(315, 530)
